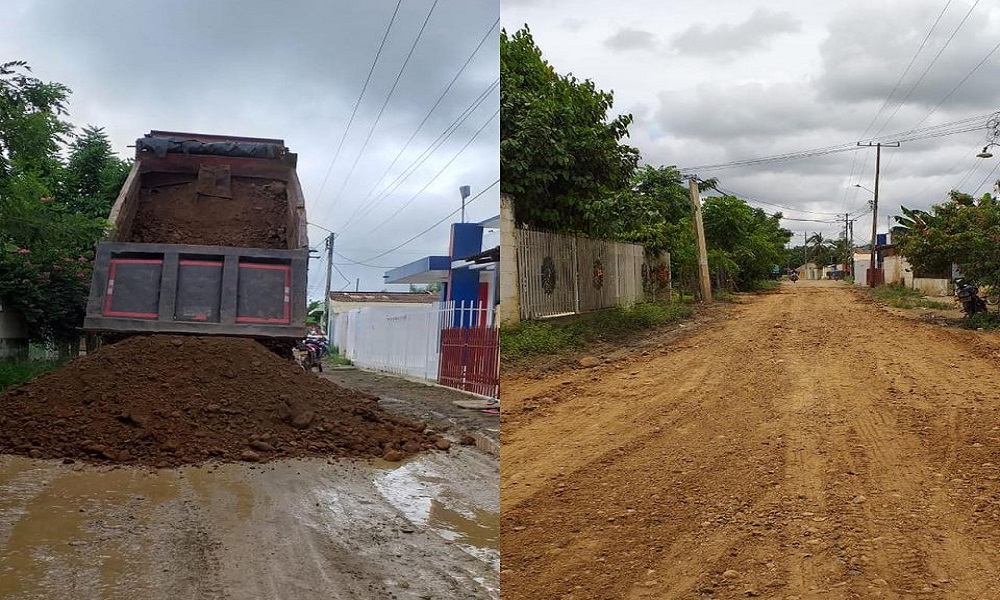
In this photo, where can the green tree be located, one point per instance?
(964, 231)
(46, 244)
(31, 124)
(94, 174)
(559, 151)
(743, 241)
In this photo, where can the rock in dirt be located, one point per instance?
(467, 440)
(589, 361)
(262, 446)
(166, 401)
(442, 444)
(250, 456)
(731, 575)
(393, 456)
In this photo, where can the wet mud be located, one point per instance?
(294, 528)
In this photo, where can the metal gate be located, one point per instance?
(470, 360)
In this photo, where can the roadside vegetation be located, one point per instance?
(898, 296)
(16, 372)
(987, 320)
(568, 171)
(336, 358)
(535, 338)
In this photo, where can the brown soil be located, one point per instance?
(808, 446)
(171, 400)
(172, 212)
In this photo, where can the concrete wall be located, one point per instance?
(509, 310)
(932, 287)
(861, 262)
(898, 271)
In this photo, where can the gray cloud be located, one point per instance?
(631, 39)
(725, 41)
(865, 54)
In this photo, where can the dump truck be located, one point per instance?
(208, 237)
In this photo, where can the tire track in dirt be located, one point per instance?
(823, 453)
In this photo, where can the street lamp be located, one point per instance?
(858, 185)
(986, 151)
(464, 190)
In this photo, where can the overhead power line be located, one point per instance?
(438, 174)
(899, 81)
(944, 129)
(446, 217)
(427, 116)
(363, 210)
(357, 102)
(381, 110)
(928, 68)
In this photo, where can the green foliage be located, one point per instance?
(559, 152)
(535, 338)
(336, 358)
(899, 296)
(764, 285)
(94, 175)
(964, 231)
(986, 320)
(51, 212)
(743, 241)
(16, 372)
(31, 129)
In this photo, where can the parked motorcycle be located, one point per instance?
(319, 345)
(968, 295)
(307, 356)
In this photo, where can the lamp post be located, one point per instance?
(464, 190)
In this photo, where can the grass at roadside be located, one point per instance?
(336, 358)
(987, 320)
(15, 372)
(899, 296)
(765, 285)
(534, 338)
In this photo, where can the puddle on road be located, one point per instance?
(428, 498)
(55, 517)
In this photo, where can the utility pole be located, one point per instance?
(699, 234)
(878, 164)
(329, 274)
(805, 247)
(847, 242)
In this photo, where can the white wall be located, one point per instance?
(403, 340)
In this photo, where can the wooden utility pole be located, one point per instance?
(848, 250)
(699, 234)
(329, 274)
(878, 164)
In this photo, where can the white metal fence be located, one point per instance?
(404, 340)
(564, 274)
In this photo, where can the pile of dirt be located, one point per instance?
(171, 400)
(173, 212)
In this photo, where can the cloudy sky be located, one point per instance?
(711, 82)
(294, 70)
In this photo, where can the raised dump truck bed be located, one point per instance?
(209, 238)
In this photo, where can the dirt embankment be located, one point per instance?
(808, 446)
(171, 400)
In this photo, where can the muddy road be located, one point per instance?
(298, 528)
(808, 444)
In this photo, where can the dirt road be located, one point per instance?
(807, 445)
(303, 529)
